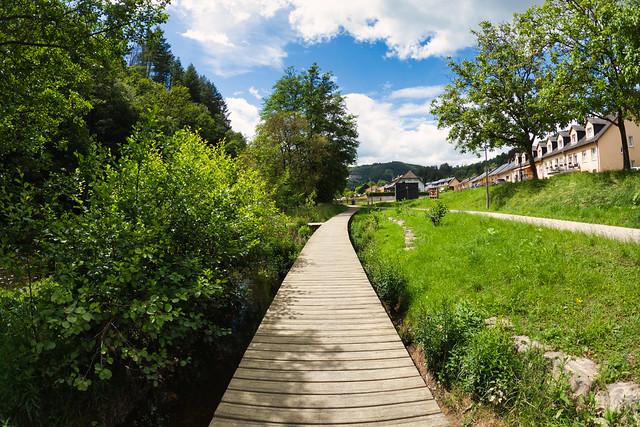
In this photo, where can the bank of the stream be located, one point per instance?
(192, 398)
(572, 292)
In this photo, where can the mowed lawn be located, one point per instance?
(575, 292)
(603, 198)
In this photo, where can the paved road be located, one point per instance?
(618, 233)
(326, 353)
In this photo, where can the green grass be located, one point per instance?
(319, 213)
(575, 292)
(604, 198)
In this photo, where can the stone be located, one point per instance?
(558, 359)
(618, 395)
(523, 343)
(494, 321)
(582, 372)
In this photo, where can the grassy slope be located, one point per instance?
(576, 292)
(604, 198)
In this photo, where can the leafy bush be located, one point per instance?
(362, 231)
(437, 212)
(140, 278)
(443, 331)
(489, 366)
(389, 282)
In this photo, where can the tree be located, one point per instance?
(595, 44)
(50, 50)
(191, 80)
(501, 98)
(205, 92)
(316, 98)
(288, 158)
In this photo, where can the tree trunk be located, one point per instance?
(532, 162)
(626, 161)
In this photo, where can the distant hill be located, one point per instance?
(387, 171)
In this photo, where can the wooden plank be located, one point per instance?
(325, 376)
(324, 333)
(433, 420)
(326, 400)
(328, 416)
(399, 362)
(318, 347)
(387, 328)
(328, 340)
(326, 356)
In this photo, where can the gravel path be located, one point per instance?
(623, 234)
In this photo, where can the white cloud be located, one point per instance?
(255, 92)
(244, 116)
(418, 92)
(238, 35)
(386, 135)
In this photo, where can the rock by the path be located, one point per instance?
(494, 321)
(580, 370)
(558, 359)
(618, 395)
(523, 343)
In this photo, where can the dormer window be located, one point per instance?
(560, 142)
(589, 130)
(574, 138)
(549, 147)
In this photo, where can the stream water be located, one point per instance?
(192, 400)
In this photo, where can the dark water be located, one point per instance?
(197, 398)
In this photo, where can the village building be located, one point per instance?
(445, 184)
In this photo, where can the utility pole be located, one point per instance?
(486, 177)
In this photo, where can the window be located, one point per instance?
(560, 143)
(574, 138)
(549, 147)
(590, 131)
(584, 156)
(593, 153)
(630, 141)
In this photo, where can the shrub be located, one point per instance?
(437, 212)
(489, 367)
(389, 282)
(363, 229)
(140, 279)
(444, 330)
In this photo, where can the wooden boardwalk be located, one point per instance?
(326, 352)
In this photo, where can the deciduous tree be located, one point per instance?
(502, 97)
(316, 98)
(595, 44)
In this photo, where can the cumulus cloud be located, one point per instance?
(238, 35)
(244, 116)
(387, 135)
(418, 92)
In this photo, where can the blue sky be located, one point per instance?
(388, 56)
